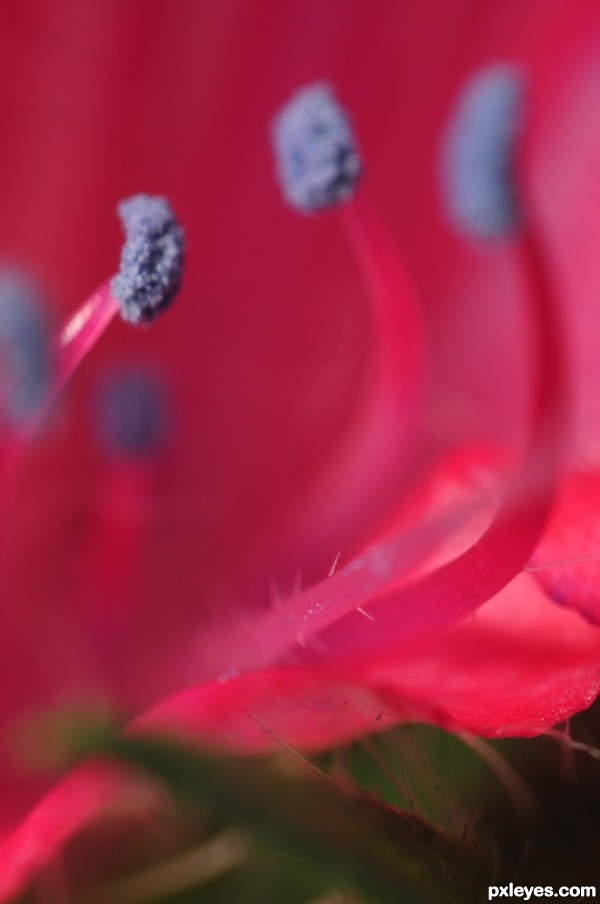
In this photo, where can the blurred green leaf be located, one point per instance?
(309, 823)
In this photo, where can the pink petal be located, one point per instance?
(567, 561)
(520, 666)
(517, 668)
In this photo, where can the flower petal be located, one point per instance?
(517, 668)
(567, 561)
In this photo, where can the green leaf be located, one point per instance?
(352, 841)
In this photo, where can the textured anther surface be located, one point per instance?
(151, 260)
(317, 157)
(25, 365)
(478, 154)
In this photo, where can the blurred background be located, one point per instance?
(103, 99)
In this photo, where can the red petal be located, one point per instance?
(517, 668)
(520, 666)
(567, 561)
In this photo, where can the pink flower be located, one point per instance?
(394, 398)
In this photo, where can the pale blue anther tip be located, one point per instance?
(317, 157)
(152, 258)
(479, 147)
(130, 412)
(25, 359)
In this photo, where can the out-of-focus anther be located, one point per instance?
(25, 359)
(130, 413)
(477, 164)
(316, 151)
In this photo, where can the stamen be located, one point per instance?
(319, 165)
(150, 275)
(457, 588)
(503, 551)
(24, 347)
(317, 156)
(130, 413)
(130, 422)
(151, 260)
(477, 160)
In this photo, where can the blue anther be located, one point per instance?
(316, 151)
(151, 260)
(478, 154)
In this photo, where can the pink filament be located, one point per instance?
(112, 568)
(458, 588)
(81, 331)
(366, 471)
(70, 346)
